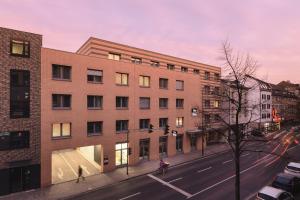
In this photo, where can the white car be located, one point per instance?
(293, 168)
(270, 193)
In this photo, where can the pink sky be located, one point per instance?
(267, 29)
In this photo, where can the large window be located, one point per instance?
(163, 122)
(154, 63)
(94, 76)
(14, 140)
(179, 121)
(144, 102)
(179, 85)
(122, 126)
(206, 75)
(121, 79)
(94, 102)
(144, 81)
(61, 101)
(136, 60)
(179, 143)
(94, 128)
(179, 103)
(163, 146)
(122, 102)
(170, 67)
(114, 56)
(61, 72)
(163, 103)
(144, 123)
(19, 93)
(184, 69)
(20, 48)
(163, 83)
(121, 150)
(61, 130)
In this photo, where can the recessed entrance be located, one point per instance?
(65, 163)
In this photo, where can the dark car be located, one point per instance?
(287, 182)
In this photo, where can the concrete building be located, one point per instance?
(20, 111)
(92, 100)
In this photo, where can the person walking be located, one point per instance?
(80, 174)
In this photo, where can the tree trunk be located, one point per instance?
(237, 171)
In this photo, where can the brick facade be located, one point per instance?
(31, 155)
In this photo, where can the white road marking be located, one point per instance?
(188, 195)
(177, 179)
(245, 155)
(60, 173)
(292, 147)
(227, 161)
(220, 182)
(69, 165)
(130, 196)
(202, 170)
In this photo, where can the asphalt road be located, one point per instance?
(208, 178)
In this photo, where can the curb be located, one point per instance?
(143, 174)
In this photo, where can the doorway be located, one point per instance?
(144, 149)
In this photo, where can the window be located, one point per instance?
(196, 71)
(20, 48)
(14, 140)
(206, 75)
(179, 121)
(61, 101)
(217, 117)
(114, 56)
(121, 102)
(136, 60)
(94, 102)
(163, 83)
(170, 67)
(144, 123)
(144, 81)
(179, 143)
(94, 76)
(263, 106)
(163, 102)
(163, 146)
(268, 115)
(94, 128)
(121, 151)
(217, 90)
(216, 104)
(207, 103)
(144, 102)
(179, 103)
(144, 148)
(154, 63)
(61, 130)
(268, 106)
(122, 125)
(61, 72)
(268, 97)
(206, 89)
(163, 122)
(184, 69)
(263, 96)
(179, 85)
(217, 76)
(121, 79)
(19, 93)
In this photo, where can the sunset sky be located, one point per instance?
(267, 29)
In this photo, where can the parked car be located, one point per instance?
(287, 182)
(271, 193)
(293, 168)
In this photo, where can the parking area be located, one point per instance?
(65, 163)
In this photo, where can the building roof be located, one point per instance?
(262, 84)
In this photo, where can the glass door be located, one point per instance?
(144, 148)
(121, 150)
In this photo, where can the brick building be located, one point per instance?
(20, 111)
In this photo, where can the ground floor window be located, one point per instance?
(121, 150)
(163, 146)
(193, 139)
(179, 142)
(144, 148)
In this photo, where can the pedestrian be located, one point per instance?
(80, 174)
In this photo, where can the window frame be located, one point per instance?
(145, 108)
(61, 136)
(114, 56)
(181, 100)
(61, 72)
(122, 74)
(154, 63)
(178, 119)
(61, 102)
(122, 102)
(23, 55)
(143, 77)
(144, 128)
(122, 126)
(170, 67)
(163, 99)
(94, 128)
(160, 122)
(163, 80)
(94, 102)
(94, 81)
(8, 140)
(179, 81)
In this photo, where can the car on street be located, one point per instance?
(287, 182)
(293, 168)
(271, 193)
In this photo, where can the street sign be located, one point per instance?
(194, 112)
(174, 133)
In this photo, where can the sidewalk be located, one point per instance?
(71, 188)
